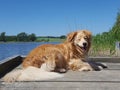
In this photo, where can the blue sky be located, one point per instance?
(57, 17)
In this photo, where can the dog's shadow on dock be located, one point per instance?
(97, 66)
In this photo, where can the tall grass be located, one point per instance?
(104, 44)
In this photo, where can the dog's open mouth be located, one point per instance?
(83, 47)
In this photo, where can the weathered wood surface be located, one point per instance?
(107, 79)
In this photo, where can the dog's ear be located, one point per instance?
(71, 36)
(88, 33)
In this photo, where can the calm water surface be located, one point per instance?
(11, 49)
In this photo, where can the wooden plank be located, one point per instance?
(107, 79)
(61, 86)
(95, 80)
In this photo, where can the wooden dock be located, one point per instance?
(106, 79)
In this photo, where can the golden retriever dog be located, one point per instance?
(68, 55)
(43, 61)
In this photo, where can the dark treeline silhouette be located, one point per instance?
(24, 37)
(51, 38)
(61, 37)
(21, 37)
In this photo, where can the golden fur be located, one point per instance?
(68, 55)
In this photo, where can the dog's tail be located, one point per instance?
(31, 74)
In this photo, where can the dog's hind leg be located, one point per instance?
(12, 76)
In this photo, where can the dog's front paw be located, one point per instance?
(61, 70)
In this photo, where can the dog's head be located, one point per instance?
(81, 39)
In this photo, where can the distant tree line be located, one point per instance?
(51, 38)
(21, 37)
(61, 37)
(24, 37)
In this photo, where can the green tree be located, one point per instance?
(3, 37)
(22, 37)
(11, 38)
(62, 37)
(32, 37)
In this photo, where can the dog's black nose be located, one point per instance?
(84, 44)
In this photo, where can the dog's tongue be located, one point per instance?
(84, 48)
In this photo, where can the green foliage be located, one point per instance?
(25, 37)
(63, 37)
(2, 37)
(105, 42)
(32, 37)
(11, 38)
(21, 37)
(115, 31)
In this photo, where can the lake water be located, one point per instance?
(11, 49)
